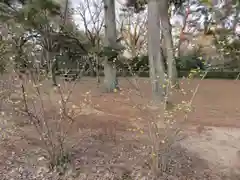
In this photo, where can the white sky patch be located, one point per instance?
(176, 20)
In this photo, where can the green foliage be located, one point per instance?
(60, 162)
(229, 48)
(209, 3)
(29, 10)
(228, 45)
(66, 62)
(38, 15)
(212, 74)
(177, 3)
(189, 62)
(140, 5)
(184, 63)
(206, 2)
(11, 2)
(198, 74)
(110, 53)
(42, 18)
(139, 63)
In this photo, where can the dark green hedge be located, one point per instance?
(184, 64)
(213, 75)
(210, 75)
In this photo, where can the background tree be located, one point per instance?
(166, 29)
(31, 17)
(45, 23)
(133, 29)
(90, 13)
(157, 71)
(111, 46)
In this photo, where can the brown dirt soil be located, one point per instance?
(106, 137)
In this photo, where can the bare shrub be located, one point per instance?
(164, 131)
(52, 118)
(6, 89)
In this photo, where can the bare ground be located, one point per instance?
(109, 140)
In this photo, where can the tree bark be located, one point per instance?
(90, 64)
(53, 70)
(181, 35)
(156, 65)
(97, 68)
(110, 73)
(167, 35)
(52, 66)
(49, 61)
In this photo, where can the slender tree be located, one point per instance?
(111, 46)
(91, 15)
(168, 42)
(157, 71)
(133, 29)
(159, 15)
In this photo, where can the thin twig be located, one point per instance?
(196, 89)
(32, 119)
(237, 76)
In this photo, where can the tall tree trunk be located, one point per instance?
(235, 24)
(167, 34)
(48, 63)
(54, 71)
(90, 64)
(97, 60)
(51, 66)
(236, 17)
(157, 70)
(110, 72)
(47, 60)
(181, 35)
(110, 76)
(97, 68)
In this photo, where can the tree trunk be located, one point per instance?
(52, 66)
(49, 63)
(181, 35)
(90, 64)
(97, 68)
(110, 74)
(167, 34)
(157, 74)
(54, 70)
(97, 60)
